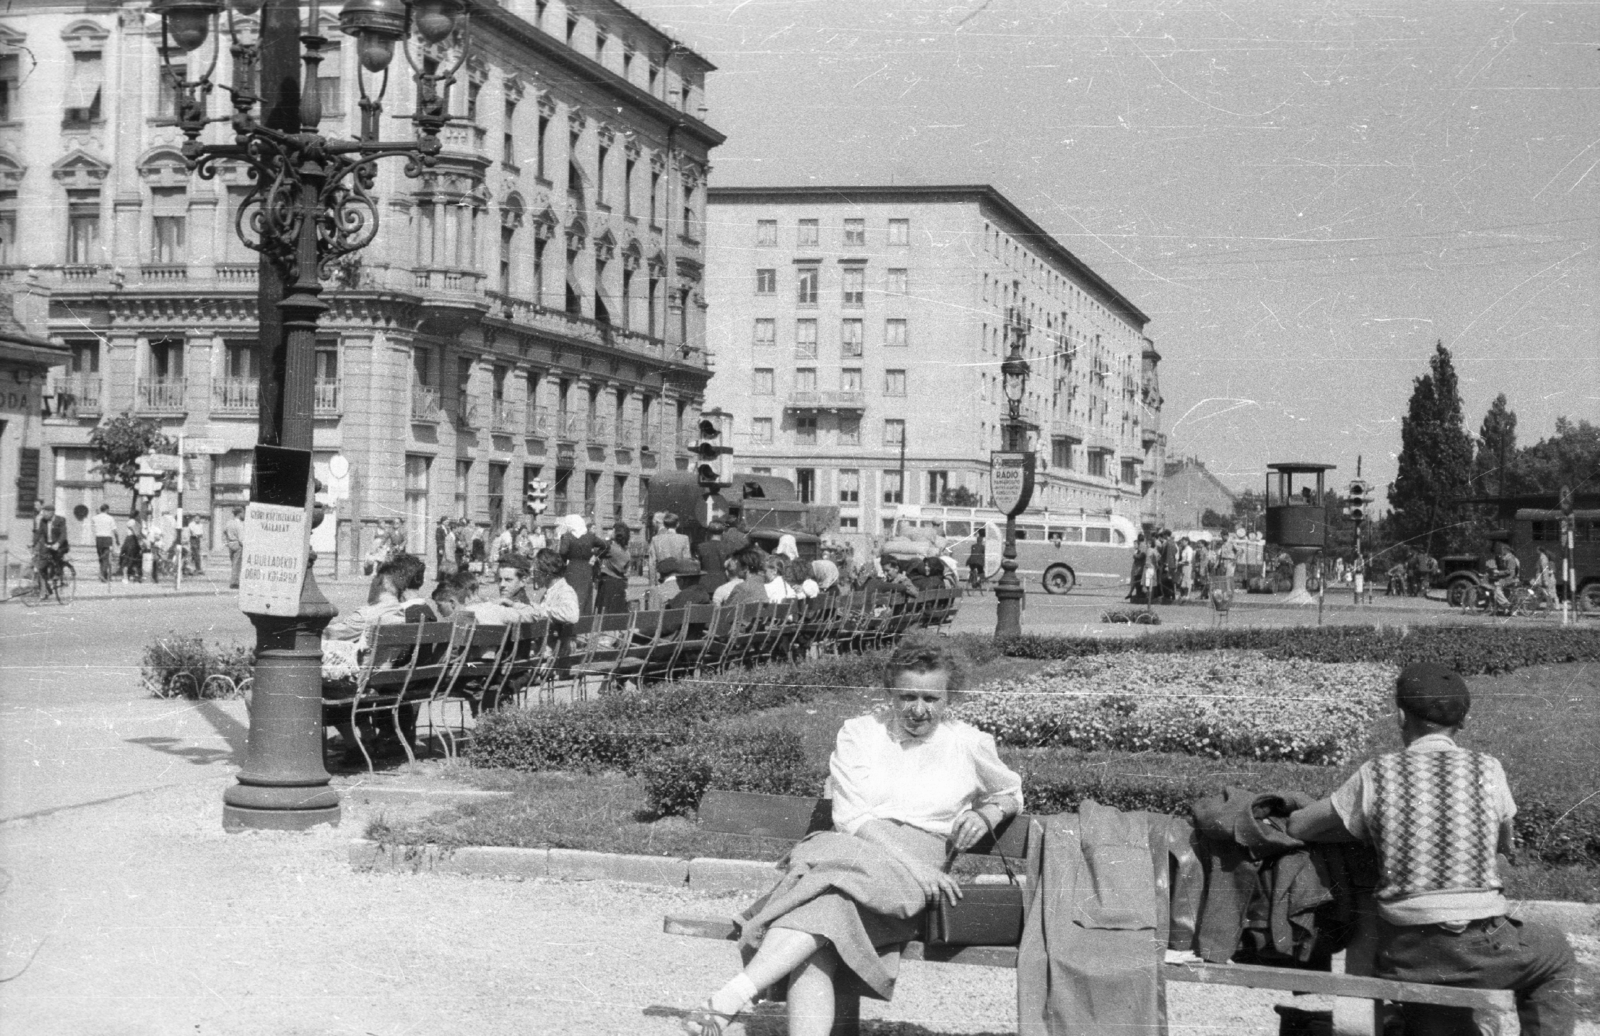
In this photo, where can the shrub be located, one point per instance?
(571, 737)
(185, 667)
(1217, 704)
(1469, 650)
(768, 761)
(1137, 616)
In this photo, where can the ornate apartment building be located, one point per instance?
(532, 306)
(859, 333)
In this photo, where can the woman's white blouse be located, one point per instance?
(879, 772)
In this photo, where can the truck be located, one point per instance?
(767, 504)
(1532, 523)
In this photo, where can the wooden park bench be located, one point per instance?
(1359, 997)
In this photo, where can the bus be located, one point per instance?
(1058, 550)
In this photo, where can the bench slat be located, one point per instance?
(1254, 976)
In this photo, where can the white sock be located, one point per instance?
(735, 996)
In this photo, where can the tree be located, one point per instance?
(1571, 457)
(1435, 463)
(1212, 520)
(119, 442)
(1497, 450)
(960, 496)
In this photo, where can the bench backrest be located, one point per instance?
(792, 817)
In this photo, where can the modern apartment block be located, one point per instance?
(859, 333)
(532, 306)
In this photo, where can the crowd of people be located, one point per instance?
(121, 548)
(1170, 569)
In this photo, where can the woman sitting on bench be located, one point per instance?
(910, 788)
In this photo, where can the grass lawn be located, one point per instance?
(1542, 723)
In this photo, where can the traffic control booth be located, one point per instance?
(1296, 519)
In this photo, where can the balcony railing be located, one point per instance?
(424, 403)
(585, 329)
(503, 415)
(163, 273)
(462, 137)
(235, 395)
(162, 395)
(622, 436)
(237, 273)
(325, 396)
(76, 395)
(596, 429)
(831, 401)
(649, 437)
(569, 426)
(538, 421)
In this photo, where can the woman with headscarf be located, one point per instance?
(577, 547)
(826, 573)
(614, 565)
(787, 548)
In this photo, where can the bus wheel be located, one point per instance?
(1458, 592)
(1588, 599)
(1059, 579)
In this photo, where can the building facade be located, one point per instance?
(531, 307)
(26, 360)
(859, 332)
(1189, 491)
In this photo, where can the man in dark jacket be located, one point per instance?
(712, 554)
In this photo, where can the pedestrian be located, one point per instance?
(197, 542)
(667, 544)
(132, 553)
(615, 561)
(1185, 569)
(1168, 572)
(1228, 554)
(233, 539)
(576, 546)
(1438, 814)
(505, 543)
(713, 554)
(1136, 574)
(977, 560)
(104, 528)
(379, 552)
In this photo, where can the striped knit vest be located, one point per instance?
(1433, 823)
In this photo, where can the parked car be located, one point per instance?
(1457, 576)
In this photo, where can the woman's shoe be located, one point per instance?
(703, 1021)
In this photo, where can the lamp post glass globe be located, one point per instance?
(246, 8)
(435, 19)
(376, 25)
(188, 21)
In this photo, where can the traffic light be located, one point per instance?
(1359, 505)
(713, 455)
(538, 496)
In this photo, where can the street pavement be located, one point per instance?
(124, 909)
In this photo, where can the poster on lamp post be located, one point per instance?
(277, 532)
(1011, 481)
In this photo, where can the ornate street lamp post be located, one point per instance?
(1011, 479)
(309, 204)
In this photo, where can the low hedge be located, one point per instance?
(177, 666)
(769, 761)
(1469, 650)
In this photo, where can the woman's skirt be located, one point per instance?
(613, 595)
(860, 897)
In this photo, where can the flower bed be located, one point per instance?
(1222, 704)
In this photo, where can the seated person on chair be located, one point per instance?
(908, 786)
(540, 590)
(1437, 814)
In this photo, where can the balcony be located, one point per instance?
(469, 412)
(235, 396)
(650, 437)
(569, 426)
(74, 396)
(241, 274)
(161, 395)
(163, 273)
(597, 429)
(623, 436)
(831, 402)
(585, 329)
(325, 397)
(538, 422)
(462, 137)
(503, 416)
(425, 404)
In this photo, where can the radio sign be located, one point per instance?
(1011, 481)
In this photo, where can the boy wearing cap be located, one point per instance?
(1437, 815)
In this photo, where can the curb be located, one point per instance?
(380, 794)
(711, 875)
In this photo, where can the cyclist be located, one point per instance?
(1544, 580)
(1504, 569)
(50, 545)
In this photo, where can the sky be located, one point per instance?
(1304, 197)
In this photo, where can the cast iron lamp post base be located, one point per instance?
(1008, 591)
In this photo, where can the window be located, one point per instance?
(174, 68)
(766, 331)
(894, 333)
(894, 382)
(544, 136)
(330, 83)
(849, 431)
(627, 62)
(619, 493)
(895, 282)
(81, 104)
(1061, 454)
(86, 357)
(849, 523)
(810, 235)
(497, 493)
(167, 239)
(938, 486)
(1097, 464)
(806, 286)
(601, 38)
(474, 91)
(562, 489)
(761, 385)
(166, 360)
(851, 335)
(766, 232)
(83, 227)
(417, 497)
(572, 28)
(506, 236)
(805, 379)
(899, 231)
(855, 287)
(805, 483)
(653, 76)
(893, 488)
(894, 431)
(627, 185)
(655, 191)
(9, 81)
(805, 434)
(1130, 472)
(855, 232)
(508, 137)
(766, 282)
(850, 379)
(849, 486)
(591, 489)
(805, 339)
(761, 431)
(602, 154)
(688, 211)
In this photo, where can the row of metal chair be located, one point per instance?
(410, 668)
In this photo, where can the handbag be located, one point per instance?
(986, 914)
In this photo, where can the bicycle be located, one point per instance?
(56, 579)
